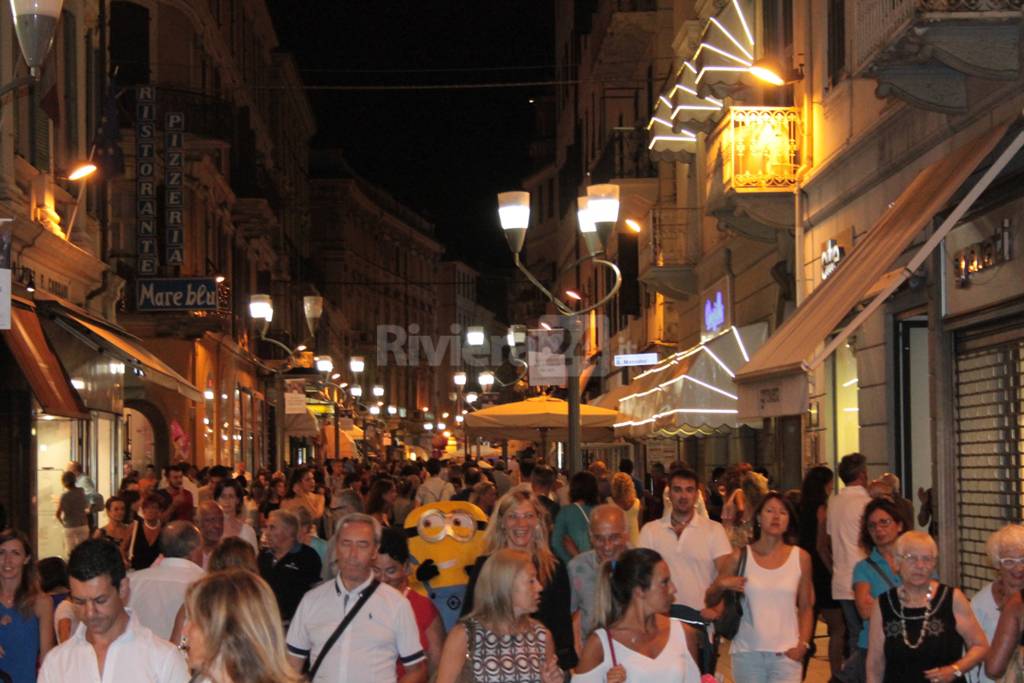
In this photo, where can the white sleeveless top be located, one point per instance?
(769, 621)
(673, 665)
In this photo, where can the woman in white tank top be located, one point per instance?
(635, 639)
(778, 598)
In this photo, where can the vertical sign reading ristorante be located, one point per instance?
(145, 181)
(174, 185)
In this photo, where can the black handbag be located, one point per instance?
(728, 625)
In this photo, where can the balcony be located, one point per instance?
(758, 151)
(624, 156)
(667, 261)
(923, 51)
(621, 36)
(205, 115)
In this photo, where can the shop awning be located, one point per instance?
(774, 382)
(301, 424)
(129, 349)
(538, 417)
(39, 363)
(691, 392)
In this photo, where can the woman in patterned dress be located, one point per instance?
(499, 641)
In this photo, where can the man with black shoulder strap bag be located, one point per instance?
(353, 629)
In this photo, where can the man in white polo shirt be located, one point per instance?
(382, 633)
(110, 644)
(695, 547)
(158, 592)
(843, 520)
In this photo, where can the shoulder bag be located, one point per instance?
(341, 627)
(728, 625)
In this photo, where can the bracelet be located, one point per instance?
(956, 671)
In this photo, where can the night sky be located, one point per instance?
(444, 153)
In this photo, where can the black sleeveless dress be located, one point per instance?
(939, 645)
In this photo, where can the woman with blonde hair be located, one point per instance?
(498, 640)
(624, 495)
(234, 630)
(999, 608)
(518, 522)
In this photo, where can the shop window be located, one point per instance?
(845, 402)
(836, 41)
(56, 440)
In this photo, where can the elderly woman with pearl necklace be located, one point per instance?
(922, 631)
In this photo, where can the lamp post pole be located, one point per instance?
(597, 214)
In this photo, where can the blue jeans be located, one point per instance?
(765, 667)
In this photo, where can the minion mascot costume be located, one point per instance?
(445, 538)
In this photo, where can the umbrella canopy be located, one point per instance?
(542, 417)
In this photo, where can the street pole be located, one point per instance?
(574, 329)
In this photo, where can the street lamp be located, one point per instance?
(378, 390)
(324, 364)
(459, 378)
(485, 379)
(356, 364)
(392, 410)
(375, 410)
(356, 390)
(475, 336)
(471, 397)
(597, 217)
(428, 426)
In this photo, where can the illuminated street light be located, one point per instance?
(573, 294)
(460, 419)
(261, 307)
(356, 364)
(392, 410)
(460, 379)
(475, 336)
(356, 390)
(441, 426)
(324, 364)
(374, 410)
(378, 390)
(471, 397)
(428, 426)
(82, 171)
(485, 379)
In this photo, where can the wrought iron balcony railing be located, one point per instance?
(761, 149)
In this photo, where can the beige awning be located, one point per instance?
(774, 382)
(301, 424)
(534, 418)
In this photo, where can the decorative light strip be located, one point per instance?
(743, 20)
(739, 340)
(719, 361)
(706, 69)
(658, 119)
(677, 411)
(714, 20)
(725, 53)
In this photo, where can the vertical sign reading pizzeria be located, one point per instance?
(145, 181)
(174, 185)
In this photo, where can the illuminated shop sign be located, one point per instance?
(831, 255)
(716, 308)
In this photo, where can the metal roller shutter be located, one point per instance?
(989, 425)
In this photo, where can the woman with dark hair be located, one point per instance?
(778, 591)
(144, 536)
(231, 498)
(880, 526)
(380, 499)
(26, 612)
(302, 490)
(392, 567)
(53, 579)
(272, 500)
(636, 640)
(571, 535)
(814, 495)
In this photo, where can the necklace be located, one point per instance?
(151, 527)
(925, 618)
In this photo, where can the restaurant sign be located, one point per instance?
(176, 294)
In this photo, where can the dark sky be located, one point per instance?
(444, 153)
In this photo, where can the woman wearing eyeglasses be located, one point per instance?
(922, 631)
(880, 526)
(519, 523)
(998, 606)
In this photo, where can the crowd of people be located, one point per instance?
(215, 577)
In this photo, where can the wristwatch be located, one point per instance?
(957, 672)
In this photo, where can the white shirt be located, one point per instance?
(984, 605)
(845, 511)
(382, 633)
(157, 593)
(690, 557)
(247, 534)
(136, 656)
(674, 664)
(434, 489)
(769, 622)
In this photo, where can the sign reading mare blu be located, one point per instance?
(176, 294)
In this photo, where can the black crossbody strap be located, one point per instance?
(874, 565)
(342, 626)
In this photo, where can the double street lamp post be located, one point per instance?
(597, 214)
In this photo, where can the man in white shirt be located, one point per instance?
(845, 511)
(695, 547)
(109, 645)
(382, 633)
(434, 489)
(159, 591)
